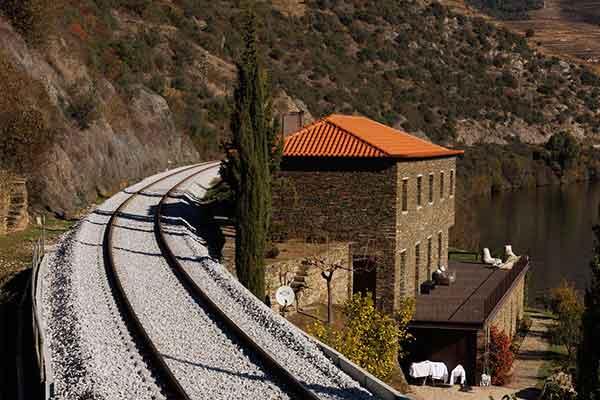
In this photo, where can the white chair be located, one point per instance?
(488, 259)
(509, 251)
(458, 375)
(486, 380)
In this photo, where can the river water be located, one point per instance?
(551, 224)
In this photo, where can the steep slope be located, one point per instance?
(130, 86)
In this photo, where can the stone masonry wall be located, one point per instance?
(427, 221)
(511, 311)
(361, 201)
(281, 273)
(506, 319)
(353, 202)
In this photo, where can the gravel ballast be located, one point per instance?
(286, 343)
(92, 354)
(204, 358)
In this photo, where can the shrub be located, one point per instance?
(566, 303)
(558, 387)
(500, 356)
(564, 149)
(83, 108)
(370, 338)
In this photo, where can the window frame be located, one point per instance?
(431, 197)
(442, 185)
(419, 191)
(404, 196)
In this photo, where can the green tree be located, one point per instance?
(369, 337)
(568, 307)
(588, 355)
(564, 149)
(252, 156)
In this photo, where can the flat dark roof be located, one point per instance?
(464, 301)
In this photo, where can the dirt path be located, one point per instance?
(533, 353)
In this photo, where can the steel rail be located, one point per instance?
(168, 382)
(274, 367)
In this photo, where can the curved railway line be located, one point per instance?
(166, 378)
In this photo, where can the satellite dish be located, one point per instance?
(285, 296)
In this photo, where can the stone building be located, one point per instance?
(391, 195)
(348, 178)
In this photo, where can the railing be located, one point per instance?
(46, 377)
(492, 300)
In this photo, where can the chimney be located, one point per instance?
(292, 122)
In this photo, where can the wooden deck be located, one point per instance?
(467, 300)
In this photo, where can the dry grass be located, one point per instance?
(15, 248)
(569, 31)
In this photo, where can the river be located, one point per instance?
(551, 224)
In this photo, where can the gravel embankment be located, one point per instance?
(92, 353)
(279, 337)
(205, 359)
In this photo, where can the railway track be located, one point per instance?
(299, 389)
(173, 381)
(170, 385)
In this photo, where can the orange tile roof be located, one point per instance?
(353, 136)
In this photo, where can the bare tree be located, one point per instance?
(326, 264)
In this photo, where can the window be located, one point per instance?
(419, 186)
(405, 195)
(403, 268)
(429, 249)
(417, 267)
(451, 182)
(440, 248)
(442, 185)
(431, 188)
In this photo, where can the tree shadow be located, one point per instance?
(200, 217)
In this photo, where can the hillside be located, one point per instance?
(126, 87)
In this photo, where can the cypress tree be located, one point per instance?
(251, 157)
(588, 355)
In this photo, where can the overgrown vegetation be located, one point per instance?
(370, 338)
(423, 68)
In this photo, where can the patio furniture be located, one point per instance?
(488, 259)
(441, 278)
(427, 287)
(458, 375)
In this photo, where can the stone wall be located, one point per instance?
(511, 311)
(361, 201)
(506, 318)
(283, 272)
(343, 200)
(421, 223)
